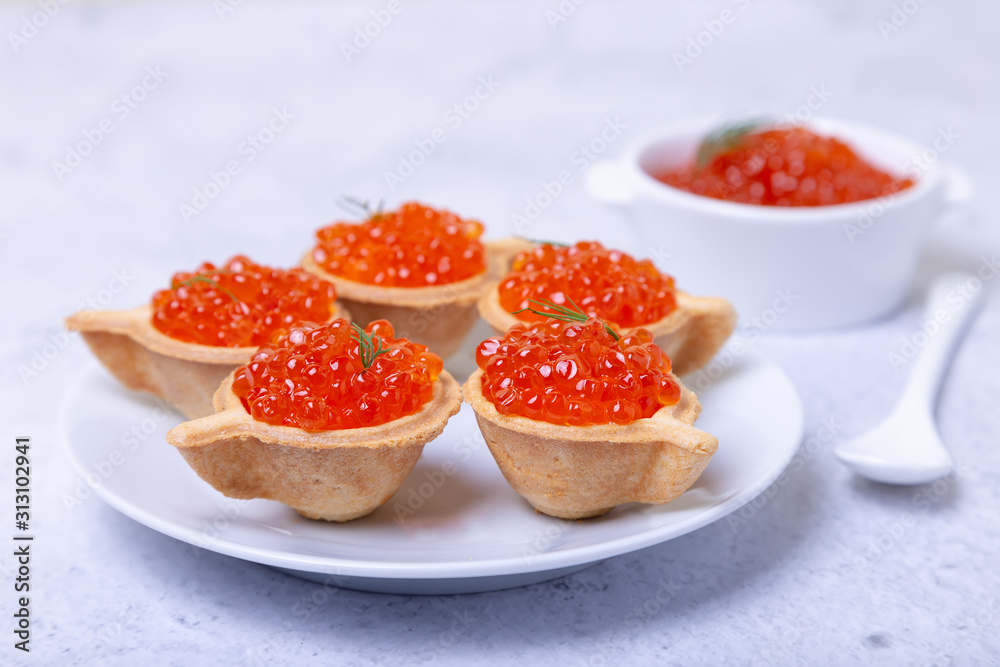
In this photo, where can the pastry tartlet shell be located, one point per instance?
(335, 475)
(575, 472)
(140, 356)
(690, 335)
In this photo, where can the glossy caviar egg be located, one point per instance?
(575, 373)
(604, 283)
(414, 246)
(321, 378)
(240, 304)
(786, 167)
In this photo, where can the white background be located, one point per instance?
(799, 583)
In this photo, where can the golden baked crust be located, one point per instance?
(184, 375)
(574, 472)
(690, 335)
(334, 475)
(438, 316)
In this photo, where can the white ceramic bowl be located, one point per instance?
(785, 267)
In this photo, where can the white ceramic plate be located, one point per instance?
(455, 526)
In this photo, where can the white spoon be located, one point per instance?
(906, 447)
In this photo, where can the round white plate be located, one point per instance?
(455, 526)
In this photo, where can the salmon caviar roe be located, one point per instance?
(786, 167)
(604, 283)
(415, 246)
(314, 378)
(576, 373)
(240, 304)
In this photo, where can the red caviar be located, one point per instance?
(604, 283)
(240, 304)
(415, 246)
(576, 373)
(315, 377)
(785, 167)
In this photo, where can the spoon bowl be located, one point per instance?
(900, 450)
(906, 447)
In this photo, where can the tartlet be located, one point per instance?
(438, 316)
(581, 470)
(576, 472)
(143, 358)
(690, 334)
(334, 474)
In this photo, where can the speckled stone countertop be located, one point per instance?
(826, 569)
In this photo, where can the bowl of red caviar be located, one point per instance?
(802, 227)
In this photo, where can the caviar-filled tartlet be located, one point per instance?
(755, 163)
(582, 417)
(208, 322)
(328, 420)
(423, 269)
(616, 287)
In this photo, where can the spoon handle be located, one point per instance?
(952, 302)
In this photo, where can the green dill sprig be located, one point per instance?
(369, 350)
(564, 313)
(554, 244)
(202, 278)
(355, 206)
(723, 139)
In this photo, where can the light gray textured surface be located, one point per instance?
(825, 569)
